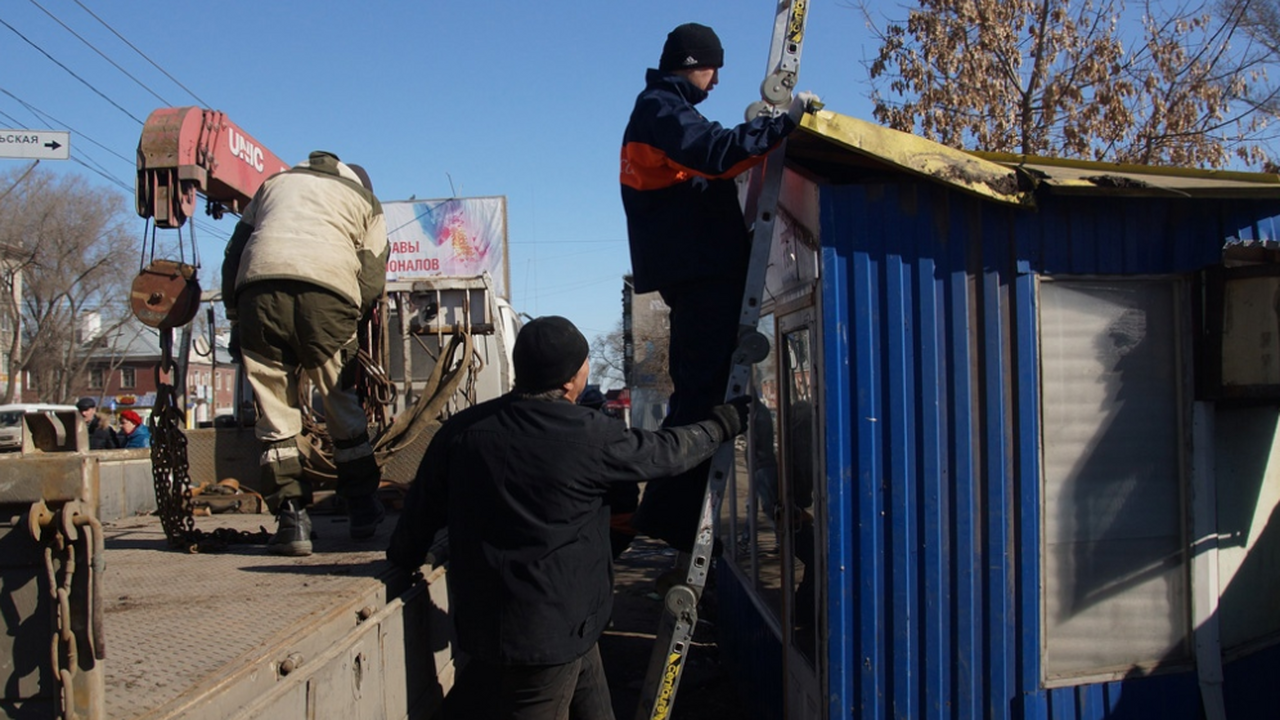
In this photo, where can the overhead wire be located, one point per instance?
(70, 72)
(143, 55)
(100, 53)
(46, 117)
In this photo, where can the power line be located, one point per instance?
(111, 179)
(100, 53)
(43, 115)
(96, 164)
(144, 56)
(70, 72)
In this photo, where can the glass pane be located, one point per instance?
(1114, 575)
(756, 547)
(799, 452)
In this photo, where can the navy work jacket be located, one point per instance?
(519, 483)
(677, 170)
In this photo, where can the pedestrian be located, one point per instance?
(689, 241)
(305, 264)
(101, 435)
(134, 433)
(519, 482)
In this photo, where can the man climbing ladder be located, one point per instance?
(677, 171)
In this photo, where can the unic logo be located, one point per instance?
(244, 149)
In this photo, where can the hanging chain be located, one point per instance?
(170, 471)
(72, 589)
(60, 567)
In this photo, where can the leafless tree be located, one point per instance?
(1157, 84)
(69, 259)
(650, 355)
(1260, 20)
(608, 358)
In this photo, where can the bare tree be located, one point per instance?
(1091, 79)
(650, 338)
(1260, 20)
(608, 358)
(69, 254)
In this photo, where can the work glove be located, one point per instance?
(732, 416)
(802, 103)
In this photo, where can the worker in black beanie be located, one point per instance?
(519, 482)
(689, 241)
(691, 46)
(549, 351)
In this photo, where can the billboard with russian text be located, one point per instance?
(458, 237)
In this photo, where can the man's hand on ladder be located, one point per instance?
(803, 102)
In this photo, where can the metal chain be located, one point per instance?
(374, 386)
(60, 568)
(170, 471)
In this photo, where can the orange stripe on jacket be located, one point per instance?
(644, 167)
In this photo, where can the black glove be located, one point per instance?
(732, 416)
(233, 343)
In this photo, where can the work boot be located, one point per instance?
(293, 535)
(364, 513)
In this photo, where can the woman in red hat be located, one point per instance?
(136, 434)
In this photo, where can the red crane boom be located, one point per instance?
(189, 150)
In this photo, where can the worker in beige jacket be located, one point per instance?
(306, 263)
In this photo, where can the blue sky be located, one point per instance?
(485, 97)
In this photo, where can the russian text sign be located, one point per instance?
(35, 144)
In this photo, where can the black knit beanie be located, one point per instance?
(691, 46)
(548, 353)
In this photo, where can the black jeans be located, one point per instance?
(704, 334)
(576, 690)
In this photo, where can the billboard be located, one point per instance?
(457, 237)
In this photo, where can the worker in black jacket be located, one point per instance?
(519, 482)
(689, 241)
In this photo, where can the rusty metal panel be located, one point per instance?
(292, 703)
(126, 486)
(25, 672)
(349, 684)
(25, 479)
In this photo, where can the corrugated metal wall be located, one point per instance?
(932, 437)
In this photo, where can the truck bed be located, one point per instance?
(241, 633)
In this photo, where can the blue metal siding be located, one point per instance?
(748, 646)
(931, 403)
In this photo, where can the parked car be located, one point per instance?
(11, 421)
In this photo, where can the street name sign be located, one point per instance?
(35, 144)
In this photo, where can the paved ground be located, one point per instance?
(706, 692)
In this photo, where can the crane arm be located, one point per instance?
(189, 150)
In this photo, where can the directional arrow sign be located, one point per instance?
(35, 144)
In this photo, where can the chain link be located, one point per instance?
(60, 570)
(170, 471)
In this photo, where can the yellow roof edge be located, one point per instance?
(962, 170)
(1132, 169)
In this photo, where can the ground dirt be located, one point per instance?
(706, 691)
